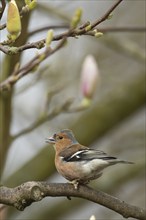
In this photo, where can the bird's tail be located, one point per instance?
(112, 162)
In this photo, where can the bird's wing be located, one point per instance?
(71, 151)
(95, 154)
(79, 152)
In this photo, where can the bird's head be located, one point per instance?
(64, 138)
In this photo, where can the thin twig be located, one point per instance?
(59, 26)
(16, 75)
(122, 29)
(106, 15)
(41, 43)
(44, 118)
(103, 30)
(81, 30)
(66, 107)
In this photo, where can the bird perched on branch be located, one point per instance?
(77, 163)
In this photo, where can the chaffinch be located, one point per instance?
(78, 163)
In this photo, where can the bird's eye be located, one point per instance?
(60, 137)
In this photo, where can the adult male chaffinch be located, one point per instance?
(78, 163)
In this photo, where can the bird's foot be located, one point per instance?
(75, 183)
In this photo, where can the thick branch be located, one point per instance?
(29, 192)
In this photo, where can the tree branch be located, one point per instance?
(46, 28)
(25, 9)
(63, 108)
(25, 194)
(3, 3)
(81, 30)
(19, 73)
(103, 30)
(44, 118)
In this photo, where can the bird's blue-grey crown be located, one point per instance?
(70, 135)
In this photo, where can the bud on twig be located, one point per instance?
(88, 28)
(89, 78)
(49, 37)
(13, 20)
(110, 16)
(76, 18)
(98, 34)
(31, 4)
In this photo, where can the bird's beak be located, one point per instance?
(50, 140)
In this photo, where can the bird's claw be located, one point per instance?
(75, 183)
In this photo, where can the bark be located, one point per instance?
(25, 194)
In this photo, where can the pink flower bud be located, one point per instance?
(89, 76)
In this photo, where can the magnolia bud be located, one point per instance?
(13, 20)
(89, 77)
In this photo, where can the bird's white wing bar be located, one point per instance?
(78, 154)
